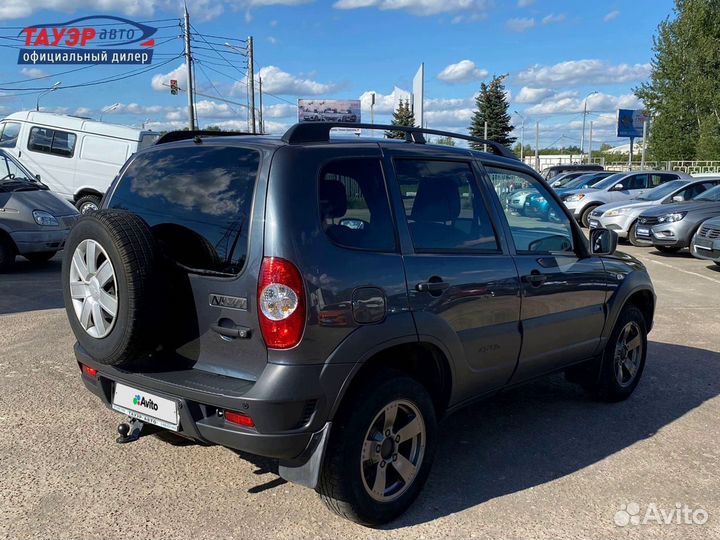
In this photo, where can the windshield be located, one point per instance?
(662, 191)
(710, 195)
(609, 181)
(12, 173)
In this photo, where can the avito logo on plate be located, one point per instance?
(96, 39)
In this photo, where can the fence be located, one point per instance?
(689, 167)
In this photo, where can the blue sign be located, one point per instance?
(87, 40)
(630, 123)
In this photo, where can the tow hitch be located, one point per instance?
(130, 431)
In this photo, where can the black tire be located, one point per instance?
(40, 257)
(341, 485)
(88, 203)
(585, 217)
(632, 236)
(606, 386)
(717, 263)
(130, 246)
(7, 254)
(668, 249)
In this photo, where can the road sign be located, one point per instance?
(630, 123)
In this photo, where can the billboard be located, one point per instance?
(418, 95)
(630, 123)
(329, 110)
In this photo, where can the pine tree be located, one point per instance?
(403, 116)
(492, 107)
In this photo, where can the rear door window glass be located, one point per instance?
(197, 201)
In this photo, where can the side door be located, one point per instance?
(462, 283)
(563, 289)
(635, 184)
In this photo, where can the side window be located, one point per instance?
(659, 179)
(692, 191)
(636, 181)
(50, 141)
(9, 132)
(443, 206)
(537, 223)
(354, 206)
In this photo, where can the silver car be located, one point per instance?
(622, 217)
(615, 188)
(34, 222)
(706, 242)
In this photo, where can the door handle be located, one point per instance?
(231, 332)
(535, 279)
(432, 286)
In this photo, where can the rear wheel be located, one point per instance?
(668, 249)
(7, 254)
(88, 203)
(40, 256)
(380, 451)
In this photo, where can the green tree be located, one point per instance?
(447, 141)
(403, 116)
(684, 87)
(708, 144)
(492, 107)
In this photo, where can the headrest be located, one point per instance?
(436, 200)
(333, 199)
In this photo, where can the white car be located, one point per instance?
(76, 157)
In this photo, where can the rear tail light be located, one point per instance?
(87, 370)
(239, 419)
(281, 301)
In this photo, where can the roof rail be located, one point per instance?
(320, 132)
(173, 136)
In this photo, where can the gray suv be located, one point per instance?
(615, 188)
(326, 302)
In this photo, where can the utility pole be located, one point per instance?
(537, 146)
(188, 64)
(251, 77)
(590, 144)
(485, 137)
(522, 136)
(262, 125)
(582, 137)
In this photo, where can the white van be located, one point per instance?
(76, 157)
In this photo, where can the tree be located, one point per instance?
(403, 116)
(447, 141)
(492, 107)
(684, 87)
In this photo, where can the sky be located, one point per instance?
(554, 52)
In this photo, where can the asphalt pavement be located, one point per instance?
(542, 461)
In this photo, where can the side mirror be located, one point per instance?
(678, 198)
(603, 241)
(37, 177)
(618, 187)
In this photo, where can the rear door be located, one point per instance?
(198, 201)
(462, 285)
(563, 290)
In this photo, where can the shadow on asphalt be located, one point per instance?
(30, 287)
(714, 267)
(682, 254)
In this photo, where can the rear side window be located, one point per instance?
(9, 132)
(52, 141)
(636, 181)
(197, 202)
(354, 207)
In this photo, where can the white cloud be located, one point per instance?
(384, 103)
(571, 102)
(281, 110)
(532, 95)
(520, 24)
(614, 14)
(525, 3)
(33, 73)
(160, 82)
(450, 118)
(462, 72)
(578, 72)
(272, 40)
(553, 19)
(418, 7)
(443, 104)
(277, 81)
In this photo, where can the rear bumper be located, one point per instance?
(288, 404)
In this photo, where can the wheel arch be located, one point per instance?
(5, 235)
(86, 191)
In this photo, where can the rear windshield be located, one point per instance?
(197, 202)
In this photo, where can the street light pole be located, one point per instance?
(582, 137)
(108, 109)
(51, 89)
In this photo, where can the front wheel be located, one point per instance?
(380, 451)
(585, 218)
(632, 236)
(7, 254)
(88, 203)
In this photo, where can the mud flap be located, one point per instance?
(305, 469)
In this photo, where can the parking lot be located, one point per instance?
(543, 461)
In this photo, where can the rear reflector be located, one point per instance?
(87, 370)
(239, 419)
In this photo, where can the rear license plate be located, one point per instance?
(147, 407)
(642, 231)
(594, 224)
(704, 243)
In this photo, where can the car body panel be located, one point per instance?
(706, 242)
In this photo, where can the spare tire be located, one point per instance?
(109, 277)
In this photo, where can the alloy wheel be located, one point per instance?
(628, 354)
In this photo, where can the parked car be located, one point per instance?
(549, 173)
(614, 188)
(706, 242)
(582, 181)
(217, 296)
(671, 229)
(34, 222)
(622, 217)
(76, 157)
